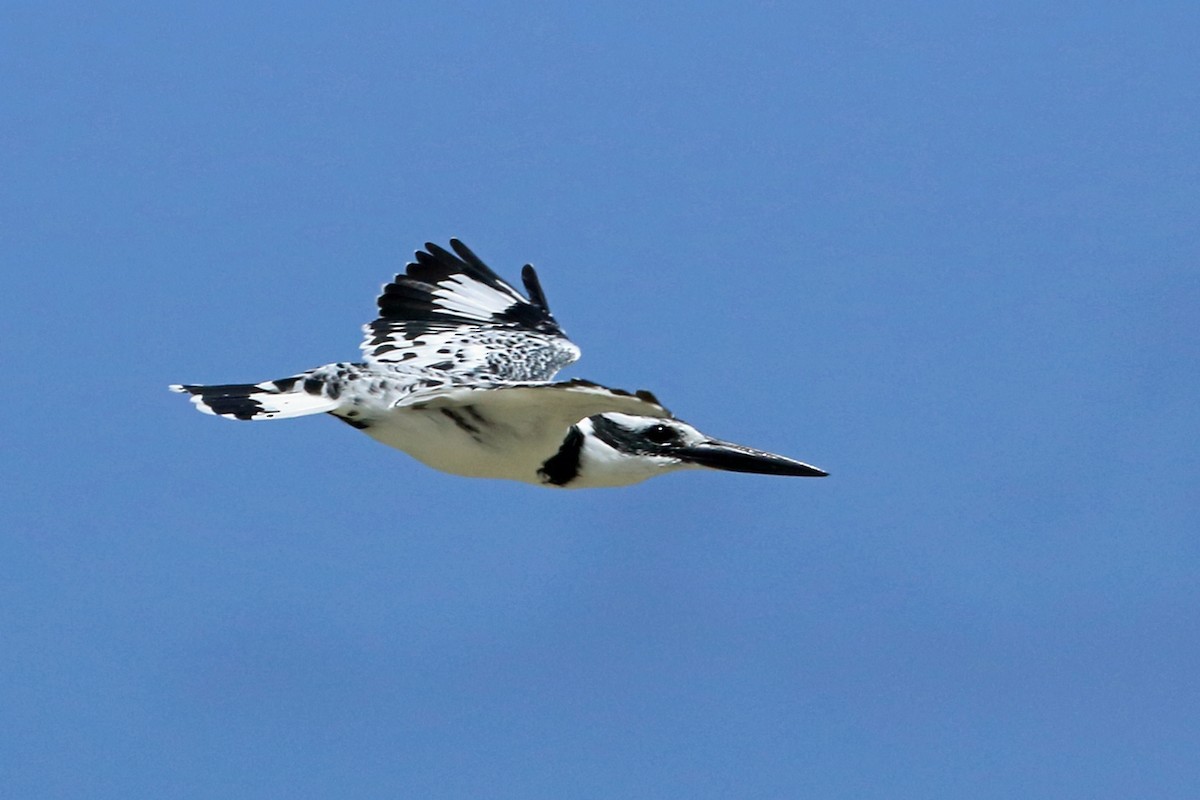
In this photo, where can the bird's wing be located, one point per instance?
(534, 408)
(450, 311)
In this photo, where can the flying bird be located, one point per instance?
(458, 371)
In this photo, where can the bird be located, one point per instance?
(458, 372)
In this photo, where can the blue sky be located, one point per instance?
(947, 252)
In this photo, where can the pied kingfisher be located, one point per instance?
(457, 373)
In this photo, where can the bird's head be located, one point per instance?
(620, 449)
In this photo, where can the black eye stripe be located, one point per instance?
(661, 434)
(636, 439)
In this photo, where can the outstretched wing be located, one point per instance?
(449, 311)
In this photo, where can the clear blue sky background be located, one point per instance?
(947, 252)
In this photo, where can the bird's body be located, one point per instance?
(457, 372)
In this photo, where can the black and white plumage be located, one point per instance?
(451, 313)
(457, 372)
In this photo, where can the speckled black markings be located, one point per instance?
(313, 385)
(562, 467)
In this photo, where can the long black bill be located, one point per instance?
(736, 458)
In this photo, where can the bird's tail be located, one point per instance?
(296, 396)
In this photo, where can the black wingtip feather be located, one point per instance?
(436, 263)
(467, 255)
(534, 287)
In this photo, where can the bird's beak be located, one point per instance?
(731, 457)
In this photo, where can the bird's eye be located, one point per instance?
(662, 434)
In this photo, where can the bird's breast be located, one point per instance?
(467, 440)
